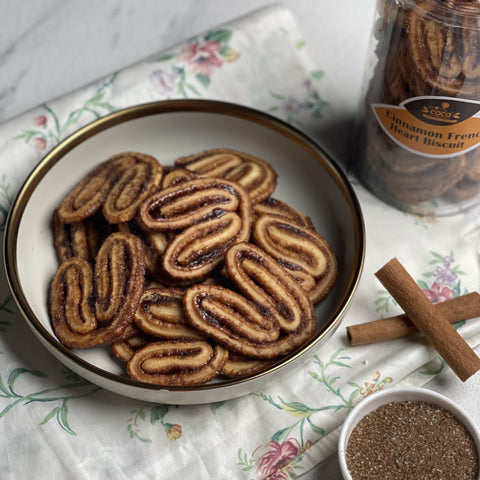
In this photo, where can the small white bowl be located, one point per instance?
(399, 394)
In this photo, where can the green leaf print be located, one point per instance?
(437, 258)
(317, 74)
(294, 109)
(354, 393)
(158, 413)
(52, 129)
(279, 435)
(269, 399)
(244, 461)
(61, 415)
(318, 430)
(296, 410)
(384, 302)
(203, 79)
(14, 374)
(133, 428)
(305, 413)
(434, 367)
(216, 405)
(220, 36)
(48, 395)
(164, 57)
(173, 431)
(337, 359)
(422, 284)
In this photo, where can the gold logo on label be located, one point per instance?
(440, 113)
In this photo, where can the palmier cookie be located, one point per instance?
(160, 314)
(123, 350)
(174, 176)
(117, 186)
(154, 244)
(389, 79)
(207, 215)
(303, 252)
(92, 307)
(418, 187)
(177, 362)
(256, 176)
(80, 239)
(89, 195)
(441, 53)
(132, 187)
(397, 160)
(238, 366)
(274, 206)
(268, 316)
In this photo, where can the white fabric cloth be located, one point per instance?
(65, 427)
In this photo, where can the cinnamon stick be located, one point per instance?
(439, 332)
(460, 308)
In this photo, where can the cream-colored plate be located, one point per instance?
(307, 179)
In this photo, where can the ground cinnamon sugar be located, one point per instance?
(411, 440)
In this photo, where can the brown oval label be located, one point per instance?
(432, 126)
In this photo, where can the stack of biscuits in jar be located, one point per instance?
(189, 271)
(424, 48)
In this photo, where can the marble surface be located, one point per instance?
(52, 47)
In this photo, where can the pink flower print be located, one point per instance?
(40, 120)
(165, 81)
(39, 143)
(273, 458)
(439, 293)
(203, 57)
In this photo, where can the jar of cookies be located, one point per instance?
(419, 131)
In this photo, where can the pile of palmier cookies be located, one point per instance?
(188, 271)
(419, 55)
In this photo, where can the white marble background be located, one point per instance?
(51, 47)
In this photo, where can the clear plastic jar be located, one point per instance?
(419, 129)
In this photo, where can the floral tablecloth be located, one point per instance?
(57, 425)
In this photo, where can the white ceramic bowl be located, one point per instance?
(399, 394)
(307, 179)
